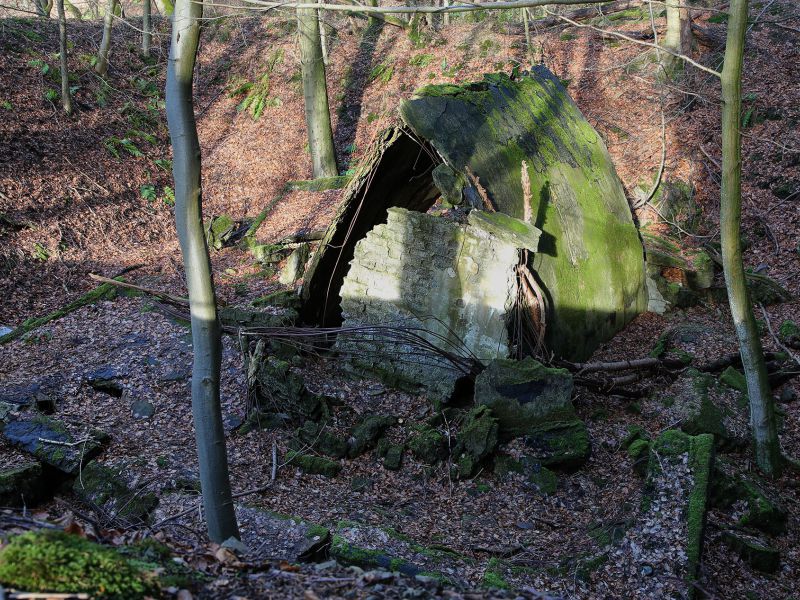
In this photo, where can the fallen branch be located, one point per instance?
(130, 286)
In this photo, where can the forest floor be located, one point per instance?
(90, 194)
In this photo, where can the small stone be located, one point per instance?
(788, 394)
(142, 409)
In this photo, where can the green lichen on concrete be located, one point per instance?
(508, 229)
(105, 488)
(322, 184)
(590, 257)
(545, 480)
(105, 291)
(54, 561)
(392, 454)
(313, 465)
(219, 230)
(366, 434)
(428, 445)
(281, 298)
(762, 512)
(559, 444)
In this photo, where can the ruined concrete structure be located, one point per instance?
(517, 156)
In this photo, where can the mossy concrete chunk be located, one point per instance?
(477, 440)
(428, 445)
(366, 434)
(753, 550)
(317, 436)
(671, 451)
(313, 465)
(280, 389)
(49, 441)
(508, 229)
(105, 488)
(559, 444)
(525, 141)
(295, 265)
(639, 453)
(521, 394)
(734, 378)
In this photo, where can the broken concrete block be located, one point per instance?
(49, 441)
(295, 265)
(452, 284)
(282, 537)
(521, 394)
(25, 485)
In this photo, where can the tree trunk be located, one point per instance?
(762, 410)
(528, 40)
(146, 28)
(105, 44)
(323, 37)
(44, 7)
(206, 336)
(678, 37)
(315, 93)
(66, 100)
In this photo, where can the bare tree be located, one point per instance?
(44, 7)
(101, 66)
(66, 99)
(146, 28)
(762, 409)
(315, 93)
(678, 37)
(206, 333)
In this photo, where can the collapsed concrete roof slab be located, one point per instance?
(522, 148)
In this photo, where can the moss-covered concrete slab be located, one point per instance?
(524, 144)
(49, 441)
(281, 537)
(25, 485)
(521, 394)
(753, 550)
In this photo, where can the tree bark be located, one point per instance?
(66, 100)
(678, 37)
(315, 93)
(105, 43)
(762, 410)
(206, 335)
(44, 7)
(146, 29)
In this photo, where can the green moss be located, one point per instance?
(789, 330)
(735, 379)
(661, 345)
(639, 453)
(701, 460)
(560, 444)
(366, 434)
(54, 561)
(313, 465)
(477, 439)
(753, 551)
(428, 445)
(319, 185)
(493, 577)
(105, 487)
(545, 480)
(761, 513)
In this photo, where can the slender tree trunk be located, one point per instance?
(66, 100)
(446, 16)
(206, 334)
(44, 7)
(146, 35)
(678, 37)
(528, 41)
(315, 93)
(323, 37)
(762, 410)
(105, 43)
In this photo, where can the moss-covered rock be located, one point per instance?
(317, 436)
(313, 465)
(392, 454)
(295, 265)
(365, 435)
(639, 453)
(279, 389)
(54, 561)
(734, 378)
(762, 510)
(521, 394)
(543, 479)
(25, 485)
(106, 488)
(477, 440)
(428, 445)
(219, 231)
(674, 446)
(49, 441)
(754, 551)
(559, 444)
